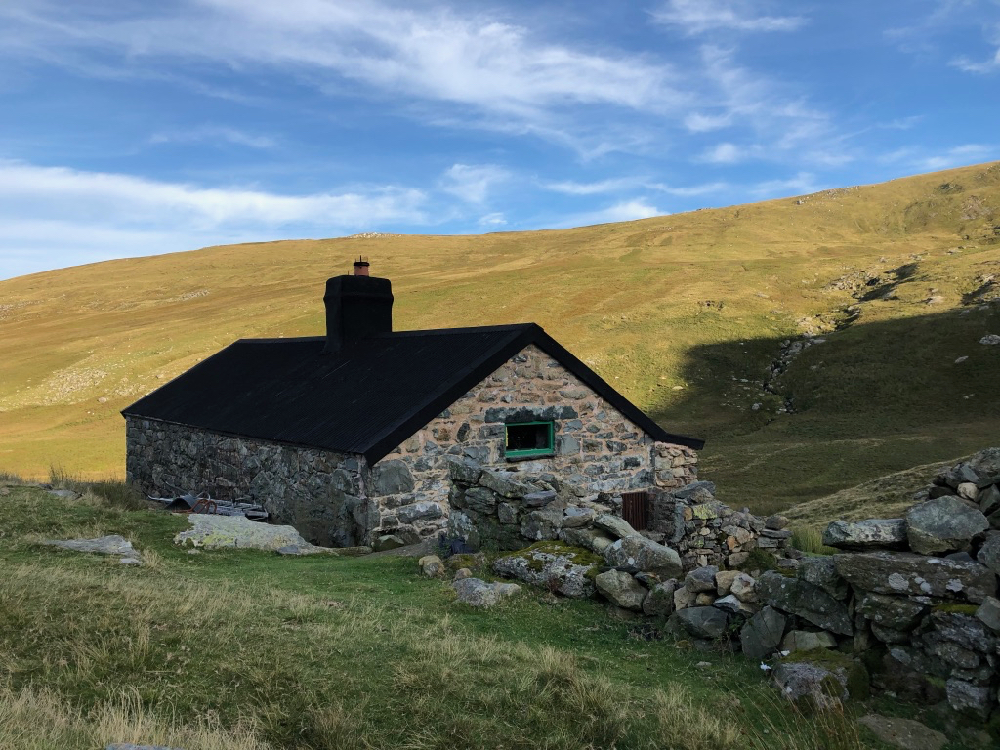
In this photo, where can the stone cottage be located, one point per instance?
(347, 436)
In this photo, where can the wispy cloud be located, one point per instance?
(493, 220)
(800, 184)
(472, 183)
(45, 210)
(213, 134)
(701, 16)
(919, 159)
(613, 185)
(631, 210)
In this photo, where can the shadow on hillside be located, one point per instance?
(874, 398)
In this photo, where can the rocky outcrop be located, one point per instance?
(478, 593)
(554, 566)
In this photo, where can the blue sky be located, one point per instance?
(133, 128)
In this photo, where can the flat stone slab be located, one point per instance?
(903, 733)
(866, 535)
(478, 593)
(114, 545)
(234, 532)
(907, 574)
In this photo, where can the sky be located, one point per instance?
(135, 128)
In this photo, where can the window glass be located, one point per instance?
(529, 438)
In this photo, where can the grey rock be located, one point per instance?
(561, 573)
(477, 593)
(65, 494)
(744, 588)
(636, 554)
(707, 623)
(431, 566)
(422, 511)
(575, 517)
(391, 477)
(539, 499)
(702, 579)
(896, 612)
(969, 699)
(989, 552)
(462, 573)
(761, 634)
(683, 598)
(890, 636)
(906, 574)
(820, 571)
(592, 539)
(990, 339)
(734, 606)
(775, 522)
(621, 589)
(905, 734)
(619, 528)
(989, 500)
(804, 681)
(961, 629)
(659, 602)
(806, 640)
(724, 581)
(387, 542)
(505, 484)
(105, 545)
(463, 470)
(944, 524)
(958, 474)
(506, 513)
(866, 535)
(539, 525)
(809, 602)
(696, 492)
(989, 613)
(968, 491)
(130, 561)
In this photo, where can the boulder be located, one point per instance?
(744, 588)
(734, 606)
(387, 542)
(619, 528)
(635, 553)
(463, 470)
(707, 623)
(989, 613)
(944, 524)
(989, 552)
(696, 492)
(431, 566)
(809, 602)
(906, 734)
(553, 566)
(822, 685)
(761, 634)
(969, 699)
(621, 589)
(806, 640)
(896, 612)
(724, 581)
(683, 598)
(114, 545)
(593, 539)
(477, 593)
(539, 525)
(968, 491)
(462, 573)
(701, 579)
(906, 574)
(866, 535)
(820, 571)
(775, 522)
(989, 500)
(575, 517)
(659, 602)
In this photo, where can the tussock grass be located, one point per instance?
(810, 539)
(117, 493)
(242, 650)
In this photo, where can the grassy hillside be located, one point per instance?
(676, 311)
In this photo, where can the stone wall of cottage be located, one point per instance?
(321, 493)
(596, 448)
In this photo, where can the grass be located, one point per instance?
(246, 650)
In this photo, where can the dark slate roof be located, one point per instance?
(366, 398)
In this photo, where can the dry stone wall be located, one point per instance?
(323, 494)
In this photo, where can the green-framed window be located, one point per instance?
(530, 439)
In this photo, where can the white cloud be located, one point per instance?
(493, 220)
(625, 211)
(727, 153)
(700, 16)
(570, 187)
(213, 133)
(48, 210)
(699, 123)
(489, 71)
(472, 183)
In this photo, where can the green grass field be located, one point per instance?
(243, 650)
(675, 311)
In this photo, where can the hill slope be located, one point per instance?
(675, 311)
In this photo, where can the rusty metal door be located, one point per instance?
(635, 509)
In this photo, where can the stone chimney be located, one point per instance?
(357, 307)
